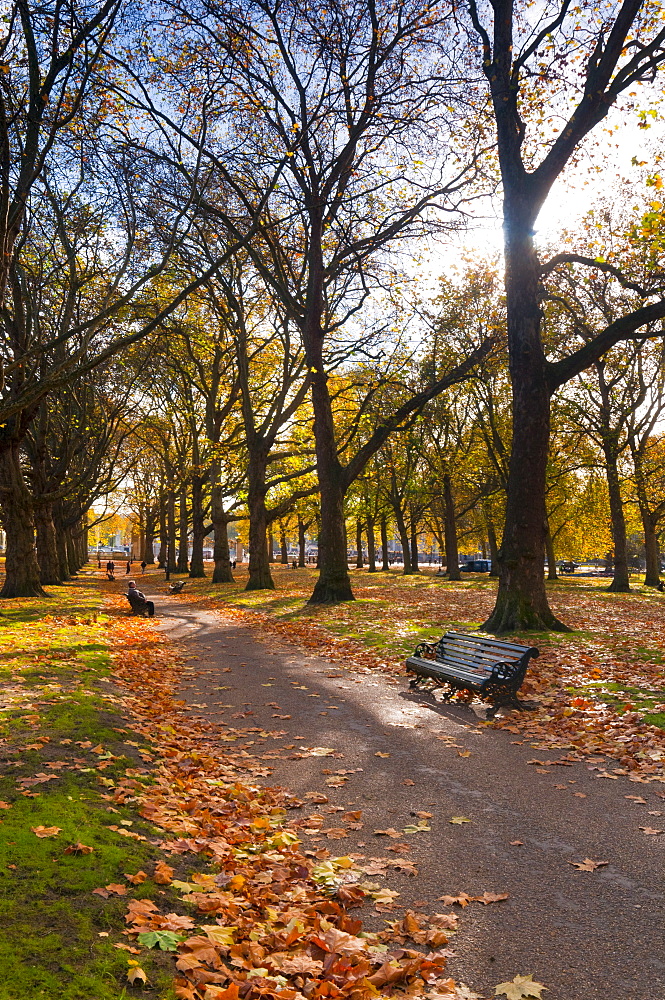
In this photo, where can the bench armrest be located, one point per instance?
(427, 650)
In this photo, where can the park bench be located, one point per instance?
(139, 604)
(486, 666)
(175, 588)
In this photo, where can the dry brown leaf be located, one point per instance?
(588, 865)
(46, 831)
(78, 848)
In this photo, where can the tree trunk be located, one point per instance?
(621, 582)
(197, 568)
(333, 584)
(222, 571)
(404, 539)
(649, 522)
(652, 549)
(359, 545)
(60, 543)
(549, 551)
(260, 577)
(72, 559)
(171, 532)
(47, 550)
(148, 554)
(371, 546)
(302, 544)
(450, 530)
(163, 531)
(21, 566)
(271, 546)
(415, 561)
(491, 541)
(183, 539)
(385, 561)
(522, 598)
(284, 552)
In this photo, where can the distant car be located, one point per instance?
(476, 566)
(568, 566)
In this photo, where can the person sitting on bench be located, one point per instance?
(138, 600)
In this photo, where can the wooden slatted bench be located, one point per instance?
(489, 667)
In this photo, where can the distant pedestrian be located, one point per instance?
(129, 567)
(143, 566)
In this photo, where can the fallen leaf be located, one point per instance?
(588, 865)
(163, 873)
(649, 830)
(463, 899)
(78, 848)
(517, 843)
(137, 879)
(379, 754)
(520, 988)
(46, 831)
(135, 972)
(491, 897)
(458, 820)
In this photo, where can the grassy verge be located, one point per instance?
(65, 745)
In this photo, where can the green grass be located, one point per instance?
(56, 936)
(624, 698)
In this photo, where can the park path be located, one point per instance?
(586, 935)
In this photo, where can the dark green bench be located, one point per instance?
(486, 666)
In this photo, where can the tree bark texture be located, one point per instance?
(371, 547)
(521, 598)
(450, 530)
(222, 571)
(621, 582)
(333, 584)
(260, 577)
(148, 554)
(21, 566)
(404, 539)
(359, 545)
(415, 561)
(171, 532)
(493, 547)
(385, 560)
(47, 550)
(549, 551)
(163, 531)
(284, 552)
(197, 568)
(183, 540)
(302, 544)
(60, 541)
(651, 549)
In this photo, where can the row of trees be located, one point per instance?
(446, 473)
(194, 165)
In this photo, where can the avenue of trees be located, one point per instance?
(212, 221)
